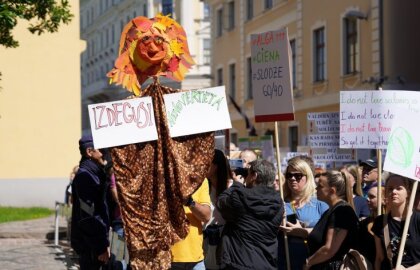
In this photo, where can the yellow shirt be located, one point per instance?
(191, 248)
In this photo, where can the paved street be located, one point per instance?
(24, 245)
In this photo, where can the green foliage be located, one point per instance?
(8, 214)
(43, 15)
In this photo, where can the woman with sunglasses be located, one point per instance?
(337, 230)
(303, 211)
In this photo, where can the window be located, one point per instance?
(249, 9)
(293, 49)
(249, 79)
(145, 10)
(231, 14)
(350, 44)
(219, 77)
(206, 11)
(232, 80)
(167, 7)
(206, 51)
(219, 19)
(268, 4)
(113, 33)
(293, 138)
(319, 54)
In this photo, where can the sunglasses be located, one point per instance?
(297, 176)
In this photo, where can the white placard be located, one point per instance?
(403, 152)
(197, 111)
(324, 140)
(122, 122)
(271, 76)
(323, 122)
(366, 116)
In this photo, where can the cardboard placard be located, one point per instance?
(271, 76)
(197, 111)
(122, 122)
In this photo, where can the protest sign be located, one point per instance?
(262, 143)
(271, 76)
(197, 111)
(122, 122)
(323, 122)
(324, 138)
(366, 116)
(403, 152)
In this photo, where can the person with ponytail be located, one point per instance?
(337, 230)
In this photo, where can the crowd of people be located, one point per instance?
(238, 220)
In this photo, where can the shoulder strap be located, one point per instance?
(386, 238)
(89, 209)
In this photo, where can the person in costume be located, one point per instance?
(155, 179)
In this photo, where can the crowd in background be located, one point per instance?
(238, 219)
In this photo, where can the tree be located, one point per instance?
(44, 16)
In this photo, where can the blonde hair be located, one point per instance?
(343, 187)
(303, 167)
(354, 171)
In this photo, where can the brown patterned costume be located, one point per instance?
(154, 179)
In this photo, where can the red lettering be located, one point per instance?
(117, 113)
(111, 116)
(98, 123)
(129, 118)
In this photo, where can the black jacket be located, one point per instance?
(89, 230)
(253, 216)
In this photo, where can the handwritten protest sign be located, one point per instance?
(122, 122)
(366, 116)
(197, 111)
(403, 152)
(271, 76)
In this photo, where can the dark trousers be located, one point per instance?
(89, 261)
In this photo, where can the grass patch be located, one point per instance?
(8, 214)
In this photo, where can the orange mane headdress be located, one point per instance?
(151, 47)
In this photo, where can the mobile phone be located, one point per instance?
(292, 218)
(236, 163)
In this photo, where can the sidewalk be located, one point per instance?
(24, 245)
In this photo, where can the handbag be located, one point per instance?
(353, 260)
(213, 234)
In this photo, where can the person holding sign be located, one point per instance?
(303, 209)
(388, 228)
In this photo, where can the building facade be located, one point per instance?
(101, 25)
(335, 45)
(39, 114)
